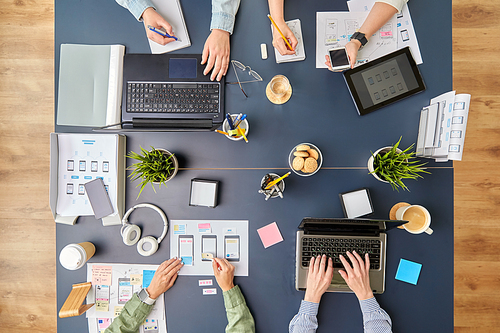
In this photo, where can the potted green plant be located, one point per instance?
(156, 166)
(392, 165)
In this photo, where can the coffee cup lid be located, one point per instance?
(71, 258)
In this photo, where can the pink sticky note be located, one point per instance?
(101, 275)
(386, 33)
(270, 235)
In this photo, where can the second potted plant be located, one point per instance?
(156, 166)
(392, 165)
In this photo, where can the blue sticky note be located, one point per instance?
(147, 276)
(408, 271)
(188, 261)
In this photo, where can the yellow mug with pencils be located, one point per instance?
(237, 133)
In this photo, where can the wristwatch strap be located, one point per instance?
(144, 297)
(361, 37)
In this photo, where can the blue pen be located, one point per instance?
(162, 32)
(229, 121)
(239, 122)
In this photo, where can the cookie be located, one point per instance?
(310, 165)
(313, 153)
(301, 153)
(298, 163)
(304, 170)
(302, 148)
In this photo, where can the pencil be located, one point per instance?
(222, 132)
(286, 40)
(274, 182)
(242, 132)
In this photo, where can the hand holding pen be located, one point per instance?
(152, 19)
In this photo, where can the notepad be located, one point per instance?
(90, 85)
(300, 52)
(171, 11)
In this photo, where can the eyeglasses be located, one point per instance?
(254, 74)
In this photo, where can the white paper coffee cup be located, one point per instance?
(74, 256)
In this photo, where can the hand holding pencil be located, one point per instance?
(283, 37)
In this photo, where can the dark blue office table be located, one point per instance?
(320, 111)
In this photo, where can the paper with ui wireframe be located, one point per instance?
(334, 29)
(172, 12)
(408, 271)
(270, 235)
(300, 52)
(101, 275)
(406, 31)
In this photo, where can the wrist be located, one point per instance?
(152, 294)
(227, 287)
(313, 298)
(220, 31)
(147, 12)
(365, 295)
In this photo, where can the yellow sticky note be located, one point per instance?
(136, 279)
(118, 310)
(102, 306)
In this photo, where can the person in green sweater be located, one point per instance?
(139, 306)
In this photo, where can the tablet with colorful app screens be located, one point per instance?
(384, 81)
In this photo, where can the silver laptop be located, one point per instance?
(335, 236)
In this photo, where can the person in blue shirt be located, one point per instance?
(216, 51)
(380, 13)
(375, 320)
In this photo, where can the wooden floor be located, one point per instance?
(27, 230)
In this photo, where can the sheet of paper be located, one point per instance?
(334, 29)
(82, 158)
(270, 235)
(172, 12)
(103, 323)
(101, 275)
(121, 289)
(300, 52)
(228, 239)
(406, 32)
(202, 283)
(211, 291)
(408, 271)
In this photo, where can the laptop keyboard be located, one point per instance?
(159, 97)
(333, 247)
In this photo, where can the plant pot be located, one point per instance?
(371, 168)
(174, 160)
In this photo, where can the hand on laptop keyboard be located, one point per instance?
(357, 276)
(319, 278)
(216, 51)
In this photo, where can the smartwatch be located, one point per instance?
(361, 37)
(144, 297)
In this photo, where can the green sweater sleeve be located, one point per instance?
(132, 316)
(239, 318)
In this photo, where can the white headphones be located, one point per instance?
(131, 232)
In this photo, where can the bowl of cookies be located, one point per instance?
(305, 159)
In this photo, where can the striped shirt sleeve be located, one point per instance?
(305, 321)
(375, 319)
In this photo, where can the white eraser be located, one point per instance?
(263, 50)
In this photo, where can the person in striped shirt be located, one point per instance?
(375, 319)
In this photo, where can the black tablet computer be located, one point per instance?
(383, 81)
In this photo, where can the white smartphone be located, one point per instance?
(339, 59)
(232, 247)
(209, 245)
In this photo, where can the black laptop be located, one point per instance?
(169, 92)
(333, 237)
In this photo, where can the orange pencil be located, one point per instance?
(283, 36)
